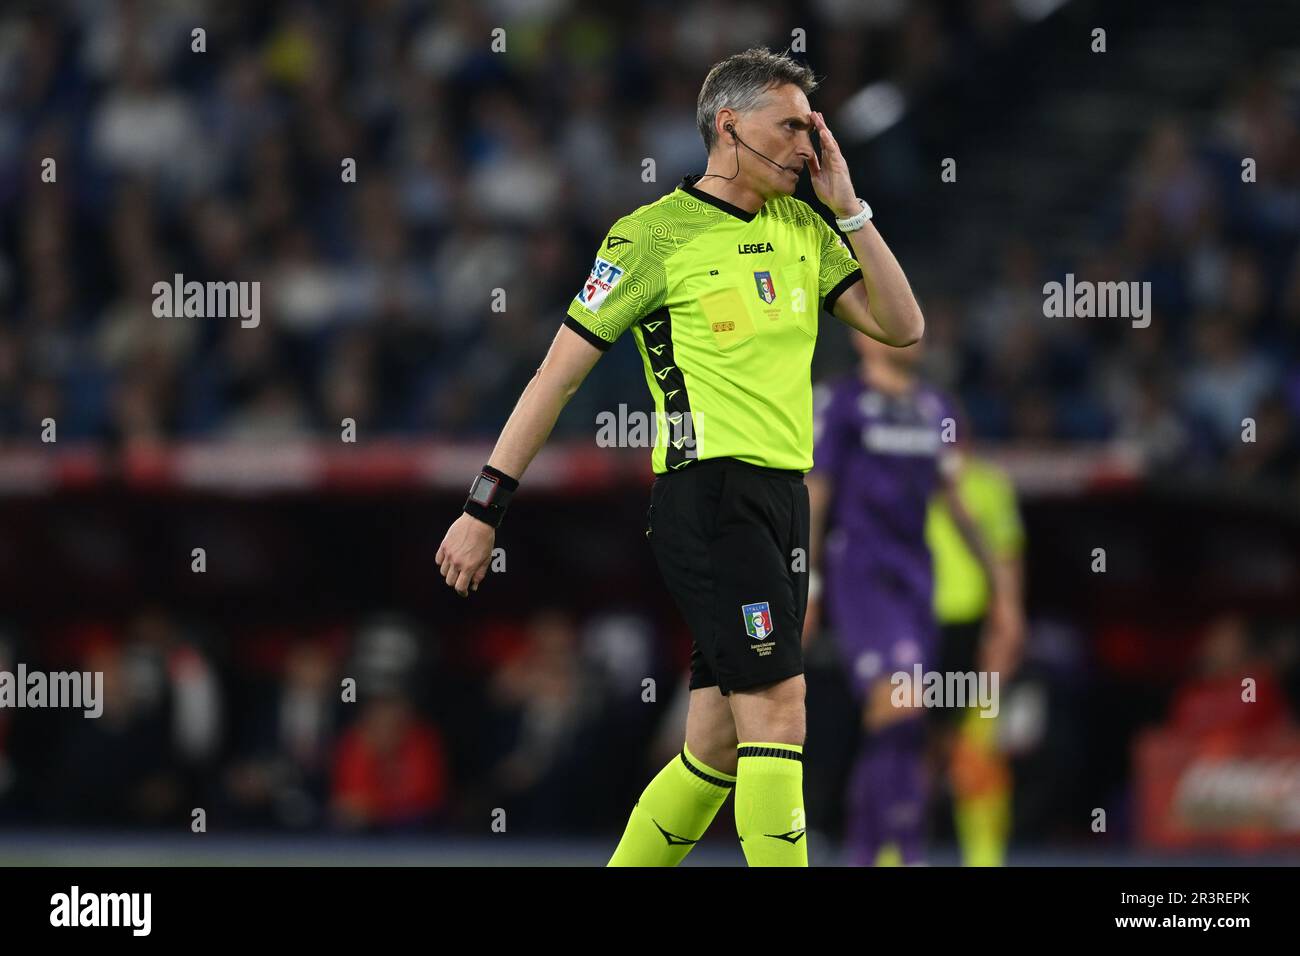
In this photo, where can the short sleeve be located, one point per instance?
(838, 267)
(832, 433)
(1000, 521)
(626, 283)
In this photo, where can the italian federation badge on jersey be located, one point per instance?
(604, 276)
(758, 620)
(766, 290)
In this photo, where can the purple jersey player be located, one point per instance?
(884, 448)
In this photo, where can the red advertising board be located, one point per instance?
(1236, 789)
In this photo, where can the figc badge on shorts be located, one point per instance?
(758, 620)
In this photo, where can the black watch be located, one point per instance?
(489, 494)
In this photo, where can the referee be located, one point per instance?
(721, 282)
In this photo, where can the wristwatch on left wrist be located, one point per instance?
(855, 222)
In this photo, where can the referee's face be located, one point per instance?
(781, 129)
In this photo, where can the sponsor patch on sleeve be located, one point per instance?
(604, 276)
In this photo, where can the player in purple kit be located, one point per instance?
(883, 448)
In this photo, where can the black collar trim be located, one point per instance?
(688, 187)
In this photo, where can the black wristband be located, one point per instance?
(489, 494)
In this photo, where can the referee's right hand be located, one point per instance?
(465, 552)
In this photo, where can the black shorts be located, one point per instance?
(958, 654)
(731, 541)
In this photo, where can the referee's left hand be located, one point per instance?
(830, 173)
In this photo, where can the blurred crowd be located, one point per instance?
(478, 170)
(546, 723)
(1212, 384)
(369, 730)
(475, 170)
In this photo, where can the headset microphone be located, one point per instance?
(731, 128)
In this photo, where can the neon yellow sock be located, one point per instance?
(674, 811)
(889, 855)
(769, 804)
(982, 824)
(982, 794)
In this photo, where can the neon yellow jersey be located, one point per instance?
(961, 592)
(723, 305)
